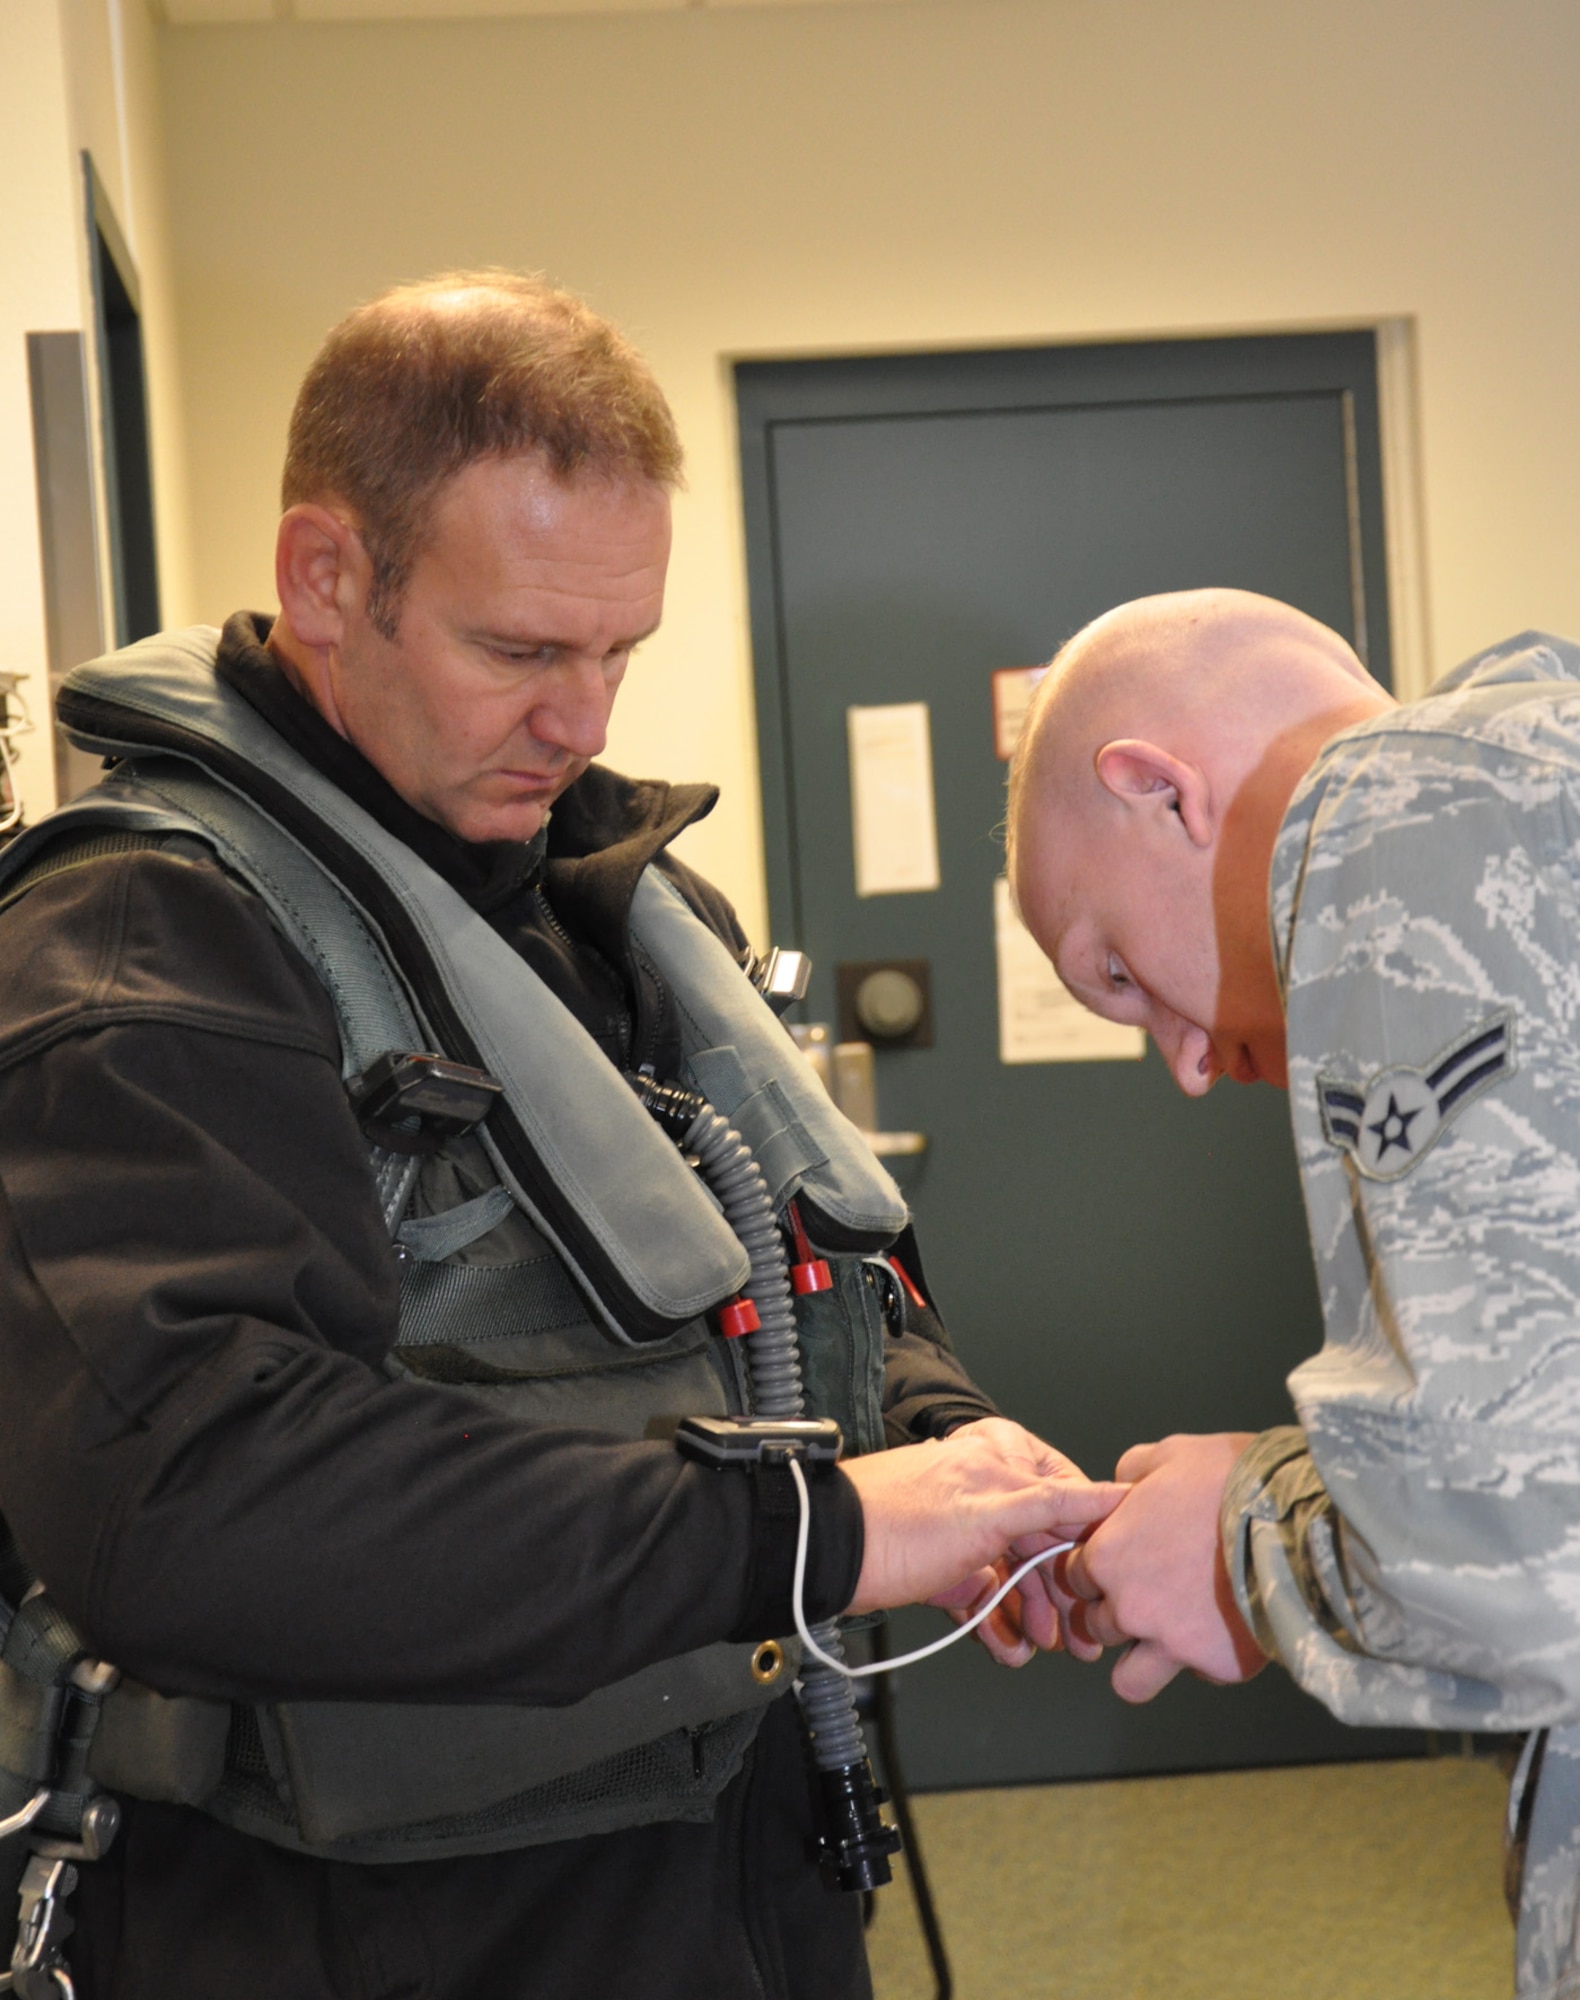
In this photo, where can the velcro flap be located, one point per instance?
(721, 1019)
(765, 1118)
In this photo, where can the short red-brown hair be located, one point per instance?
(423, 380)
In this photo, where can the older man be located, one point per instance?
(348, 1291)
(1226, 833)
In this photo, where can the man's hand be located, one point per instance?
(1154, 1571)
(938, 1515)
(1037, 1614)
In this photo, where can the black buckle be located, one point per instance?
(412, 1101)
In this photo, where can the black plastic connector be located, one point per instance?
(674, 1108)
(411, 1101)
(747, 1441)
(855, 1841)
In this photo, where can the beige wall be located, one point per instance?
(75, 74)
(37, 289)
(783, 180)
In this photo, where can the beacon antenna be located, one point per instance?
(781, 978)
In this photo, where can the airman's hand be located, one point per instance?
(1036, 1615)
(1154, 1573)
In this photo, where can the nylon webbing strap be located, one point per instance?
(35, 1664)
(375, 1013)
(42, 1643)
(492, 1301)
(433, 1238)
(394, 1176)
(372, 1008)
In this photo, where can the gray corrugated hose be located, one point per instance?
(774, 1366)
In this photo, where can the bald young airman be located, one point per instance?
(1225, 832)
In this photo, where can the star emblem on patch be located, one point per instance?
(1390, 1122)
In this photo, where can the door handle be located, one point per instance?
(845, 1070)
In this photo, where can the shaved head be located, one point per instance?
(1158, 758)
(1188, 663)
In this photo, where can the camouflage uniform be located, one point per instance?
(1412, 1553)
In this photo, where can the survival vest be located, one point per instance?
(558, 1261)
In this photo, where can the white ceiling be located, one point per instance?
(183, 13)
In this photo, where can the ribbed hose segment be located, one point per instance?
(828, 1703)
(774, 1365)
(773, 1358)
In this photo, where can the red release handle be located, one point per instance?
(807, 1273)
(738, 1317)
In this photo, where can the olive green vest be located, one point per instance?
(558, 1264)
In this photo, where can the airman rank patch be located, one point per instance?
(1386, 1125)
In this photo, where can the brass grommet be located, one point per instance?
(768, 1662)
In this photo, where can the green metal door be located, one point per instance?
(1115, 1262)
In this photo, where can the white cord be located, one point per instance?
(798, 1603)
(10, 729)
(22, 724)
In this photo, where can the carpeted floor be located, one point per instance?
(1376, 1881)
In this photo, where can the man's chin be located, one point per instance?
(479, 824)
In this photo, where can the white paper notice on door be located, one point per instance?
(1013, 688)
(1038, 1021)
(891, 798)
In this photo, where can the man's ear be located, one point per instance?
(321, 571)
(1135, 772)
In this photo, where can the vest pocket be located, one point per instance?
(517, 1338)
(841, 1334)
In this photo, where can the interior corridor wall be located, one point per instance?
(811, 179)
(76, 75)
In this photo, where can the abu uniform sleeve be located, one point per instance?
(1411, 1556)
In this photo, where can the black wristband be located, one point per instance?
(834, 1549)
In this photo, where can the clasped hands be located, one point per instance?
(947, 1522)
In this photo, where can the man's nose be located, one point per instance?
(571, 712)
(1189, 1053)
